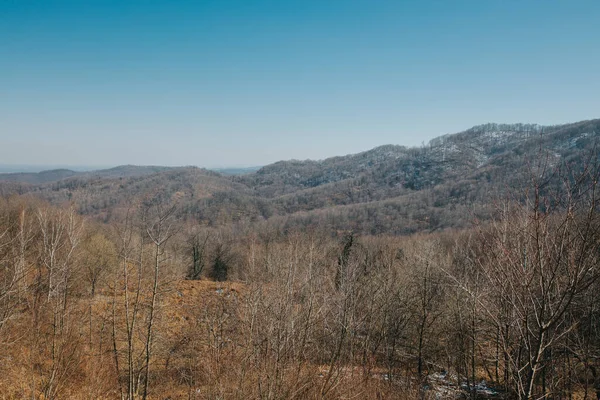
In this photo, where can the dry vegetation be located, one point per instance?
(154, 306)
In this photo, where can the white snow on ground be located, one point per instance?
(443, 386)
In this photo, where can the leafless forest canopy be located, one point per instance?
(466, 268)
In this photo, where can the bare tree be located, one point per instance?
(198, 247)
(158, 221)
(60, 233)
(539, 263)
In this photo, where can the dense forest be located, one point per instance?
(466, 268)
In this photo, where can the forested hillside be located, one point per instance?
(466, 268)
(390, 189)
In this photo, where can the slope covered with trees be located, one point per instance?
(444, 184)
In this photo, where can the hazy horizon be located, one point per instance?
(34, 168)
(226, 84)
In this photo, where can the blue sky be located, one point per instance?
(241, 82)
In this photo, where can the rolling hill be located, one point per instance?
(394, 189)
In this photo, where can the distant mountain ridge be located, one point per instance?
(466, 151)
(53, 175)
(60, 174)
(393, 189)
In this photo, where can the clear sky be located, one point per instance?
(243, 82)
